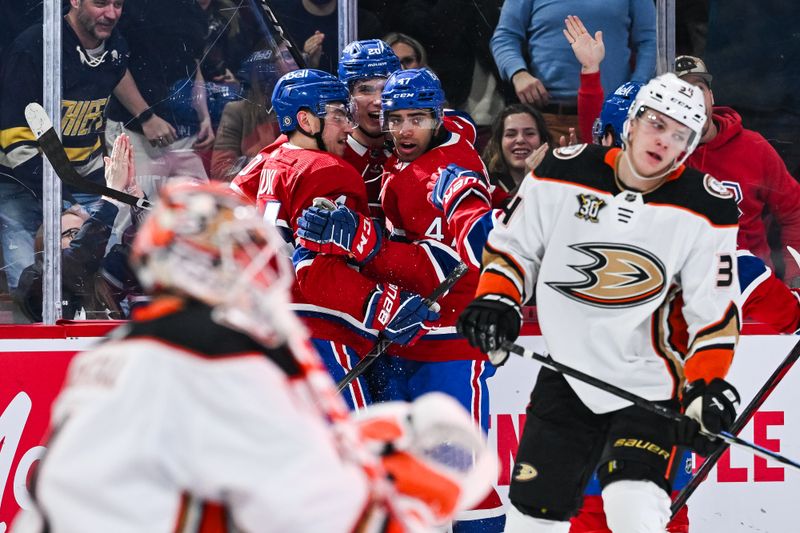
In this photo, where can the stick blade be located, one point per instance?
(37, 119)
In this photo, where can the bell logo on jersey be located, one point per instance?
(621, 275)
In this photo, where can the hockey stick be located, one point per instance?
(279, 34)
(748, 412)
(645, 404)
(383, 344)
(42, 129)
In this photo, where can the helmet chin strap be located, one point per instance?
(316, 136)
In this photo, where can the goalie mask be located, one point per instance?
(204, 242)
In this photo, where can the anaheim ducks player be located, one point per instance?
(210, 411)
(609, 238)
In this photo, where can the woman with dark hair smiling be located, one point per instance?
(517, 133)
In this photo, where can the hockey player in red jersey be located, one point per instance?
(344, 310)
(412, 113)
(364, 67)
(204, 412)
(644, 230)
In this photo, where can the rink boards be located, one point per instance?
(743, 493)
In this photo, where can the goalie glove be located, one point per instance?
(437, 459)
(489, 321)
(339, 232)
(399, 315)
(454, 184)
(710, 408)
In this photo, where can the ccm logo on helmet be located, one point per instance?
(621, 275)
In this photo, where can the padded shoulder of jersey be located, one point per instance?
(192, 329)
(699, 193)
(581, 164)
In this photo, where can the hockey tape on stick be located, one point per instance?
(382, 344)
(743, 419)
(42, 129)
(645, 404)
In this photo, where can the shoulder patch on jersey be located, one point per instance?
(568, 152)
(716, 188)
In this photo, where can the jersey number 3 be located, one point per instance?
(725, 271)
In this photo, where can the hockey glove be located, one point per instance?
(399, 315)
(711, 408)
(454, 184)
(339, 232)
(489, 321)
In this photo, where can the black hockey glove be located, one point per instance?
(489, 321)
(710, 408)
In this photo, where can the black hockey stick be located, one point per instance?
(645, 404)
(748, 412)
(383, 344)
(280, 34)
(42, 129)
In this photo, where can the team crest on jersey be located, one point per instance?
(621, 275)
(716, 188)
(568, 152)
(589, 207)
(524, 472)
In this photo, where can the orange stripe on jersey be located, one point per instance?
(714, 359)
(494, 283)
(491, 254)
(708, 364)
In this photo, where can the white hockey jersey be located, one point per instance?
(607, 264)
(182, 413)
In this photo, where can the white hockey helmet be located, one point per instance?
(675, 98)
(203, 241)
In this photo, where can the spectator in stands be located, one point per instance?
(530, 51)
(453, 33)
(409, 51)
(313, 26)
(167, 40)
(247, 125)
(748, 165)
(228, 40)
(84, 237)
(94, 59)
(517, 133)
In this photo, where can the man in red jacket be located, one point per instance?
(747, 164)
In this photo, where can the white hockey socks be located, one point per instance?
(636, 507)
(516, 522)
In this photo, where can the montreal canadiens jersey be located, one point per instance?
(86, 87)
(369, 161)
(412, 219)
(328, 294)
(608, 264)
